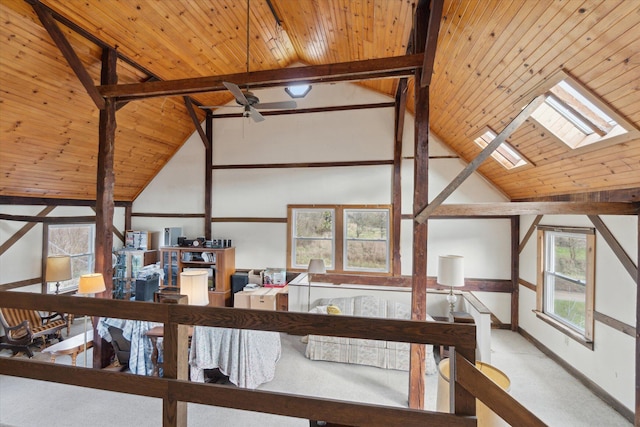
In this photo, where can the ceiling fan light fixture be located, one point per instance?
(298, 91)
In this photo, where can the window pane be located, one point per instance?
(569, 302)
(366, 239)
(367, 255)
(317, 223)
(565, 279)
(570, 256)
(305, 249)
(313, 236)
(76, 241)
(367, 224)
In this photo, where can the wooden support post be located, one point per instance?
(175, 365)
(396, 186)
(515, 271)
(465, 402)
(127, 217)
(420, 200)
(104, 199)
(208, 177)
(637, 420)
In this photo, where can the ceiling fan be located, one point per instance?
(251, 103)
(246, 99)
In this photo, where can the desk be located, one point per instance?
(72, 346)
(246, 356)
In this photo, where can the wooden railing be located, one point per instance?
(176, 391)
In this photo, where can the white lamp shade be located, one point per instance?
(91, 284)
(316, 266)
(58, 268)
(451, 270)
(195, 285)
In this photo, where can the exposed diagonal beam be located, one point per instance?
(24, 230)
(433, 29)
(615, 246)
(195, 120)
(484, 154)
(530, 231)
(396, 66)
(67, 51)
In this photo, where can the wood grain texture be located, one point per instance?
(491, 57)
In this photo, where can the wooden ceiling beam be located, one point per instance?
(538, 208)
(390, 67)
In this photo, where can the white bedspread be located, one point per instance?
(246, 356)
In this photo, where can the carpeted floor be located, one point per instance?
(536, 381)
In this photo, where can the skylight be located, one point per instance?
(505, 154)
(576, 117)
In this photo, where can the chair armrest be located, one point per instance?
(10, 330)
(47, 319)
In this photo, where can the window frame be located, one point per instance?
(543, 259)
(339, 240)
(346, 239)
(499, 155)
(72, 284)
(599, 138)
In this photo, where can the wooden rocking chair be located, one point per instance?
(22, 327)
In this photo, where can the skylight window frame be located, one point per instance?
(603, 135)
(504, 154)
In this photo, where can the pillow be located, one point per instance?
(333, 309)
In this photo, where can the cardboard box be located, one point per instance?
(264, 299)
(242, 299)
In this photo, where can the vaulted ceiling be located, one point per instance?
(492, 56)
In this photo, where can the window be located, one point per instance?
(366, 245)
(347, 238)
(77, 241)
(313, 237)
(505, 154)
(566, 279)
(577, 117)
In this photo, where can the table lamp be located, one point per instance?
(90, 284)
(195, 285)
(451, 273)
(316, 266)
(58, 269)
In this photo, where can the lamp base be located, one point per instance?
(451, 299)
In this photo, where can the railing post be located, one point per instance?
(465, 402)
(175, 365)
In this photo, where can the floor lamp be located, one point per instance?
(316, 266)
(451, 273)
(58, 270)
(90, 284)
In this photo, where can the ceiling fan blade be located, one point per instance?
(255, 114)
(237, 93)
(209, 107)
(277, 105)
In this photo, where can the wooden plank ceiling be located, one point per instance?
(491, 56)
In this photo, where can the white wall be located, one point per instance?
(22, 261)
(319, 137)
(612, 361)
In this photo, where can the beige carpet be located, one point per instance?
(540, 384)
